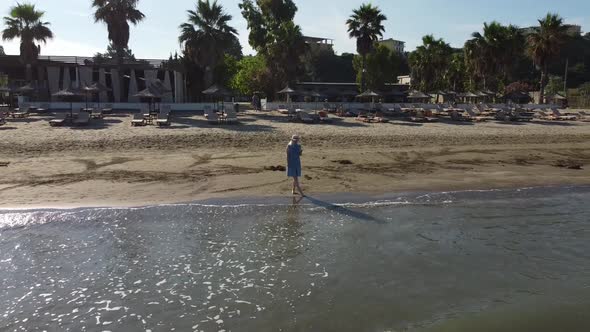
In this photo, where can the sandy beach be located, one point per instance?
(111, 163)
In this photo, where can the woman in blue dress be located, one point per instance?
(294, 152)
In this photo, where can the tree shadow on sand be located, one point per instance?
(243, 125)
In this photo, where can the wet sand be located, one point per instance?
(112, 164)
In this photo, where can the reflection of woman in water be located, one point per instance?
(294, 152)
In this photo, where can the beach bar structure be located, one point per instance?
(54, 73)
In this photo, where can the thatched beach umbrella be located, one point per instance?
(418, 96)
(218, 91)
(287, 91)
(99, 87)
(369, 94)
(151, 93)
(88, 90)
(68, 94)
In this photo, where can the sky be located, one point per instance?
(157, 36)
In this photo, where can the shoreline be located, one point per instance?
(328, 199)
(110, 164)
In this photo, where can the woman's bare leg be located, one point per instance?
(296, 185)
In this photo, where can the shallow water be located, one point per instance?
(467, 261)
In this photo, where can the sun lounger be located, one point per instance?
(545, 116)
(138, 119)
(163, 119)
(42, 109)
(213, 118)
(230, 116)
(563, 117)
(107, 109)
(479, 118)
(583, 116)
(59, 120)
(305, 117)
(97, 114)
(20, 112)
(83, 119)
(324, 116)
(459, 114)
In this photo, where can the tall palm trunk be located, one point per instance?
(542, 84)
(363, 65)
(120, 75)
(28, 72)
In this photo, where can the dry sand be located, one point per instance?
(111, 163)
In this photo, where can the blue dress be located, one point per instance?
(294, 160)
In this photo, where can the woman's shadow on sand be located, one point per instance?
(342, 210)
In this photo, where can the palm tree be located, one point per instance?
(366, 25)
(207, 36)
(24, 22)
(117, 14)
(545, 44)
(429, 63)
(491, 54)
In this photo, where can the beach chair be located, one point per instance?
(138, 119)
(324, 117)
(564, 117)
(523, 115)
(545, 116)
(213, 118)
(163, 118)
(43, 108)
(418, 116)
(459, 114)
(475, 117)
(83, 119)
(207, 110)
(96, 113)
(230, 116)
(379, 118)
(22, 112)
(305, 117)
(59, 120)
(583, 116)
(107, 109)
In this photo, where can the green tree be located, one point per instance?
(251, 76)
(544, 45)
(366, 25)
(207, 36)
(275, 37)
(25, 22)
(429, 62)
(491, 56)
(381, 66)
(117, 14)
(2, 50)
(111, 54)
(226, 69)
(584, 89)
(554, 85)
(455, 72)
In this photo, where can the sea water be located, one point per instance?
(500, 260)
